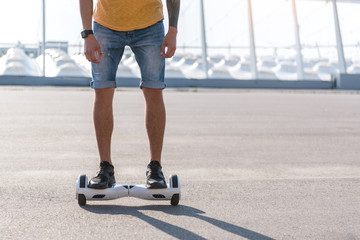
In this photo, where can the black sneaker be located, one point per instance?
(154, 176)
(105, 177)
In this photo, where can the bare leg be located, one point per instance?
(103, 121)
(155, 117)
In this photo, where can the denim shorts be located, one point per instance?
(146, 45)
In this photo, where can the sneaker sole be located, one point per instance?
(96, 186)
(156, 186)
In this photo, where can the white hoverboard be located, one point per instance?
(172, 192)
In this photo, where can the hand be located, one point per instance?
(169, 42)
(90, 48)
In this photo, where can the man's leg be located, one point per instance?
(155, 117)
(104, 83)
(146, 45)
(103, 121)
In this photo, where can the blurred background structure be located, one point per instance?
(283, 40)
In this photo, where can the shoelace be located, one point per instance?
(101, 170)
(154, 171)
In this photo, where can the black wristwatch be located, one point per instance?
(86, 33)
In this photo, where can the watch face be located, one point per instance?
(86, 33)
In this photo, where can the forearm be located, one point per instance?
(173, 7)
(86, 12)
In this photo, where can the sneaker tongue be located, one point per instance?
(104, 164)
(154, 163)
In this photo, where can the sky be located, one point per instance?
(226, 23)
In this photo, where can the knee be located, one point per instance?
(153, 96)
(152, 93)
(104, 94)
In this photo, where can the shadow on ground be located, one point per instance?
(172, 229)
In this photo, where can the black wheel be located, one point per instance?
(174, 181)
(82, 182)
(175, 199)
(81, 199)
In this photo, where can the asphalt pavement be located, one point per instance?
(253, 164)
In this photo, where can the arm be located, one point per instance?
(91, 45)
(169, 42)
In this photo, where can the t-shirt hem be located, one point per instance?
(117, 28)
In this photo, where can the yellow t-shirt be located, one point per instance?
(127, 15)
